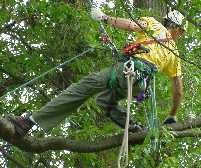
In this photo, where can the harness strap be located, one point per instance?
(153, 41)
(113, 83)
(144, 71)
(132, 49)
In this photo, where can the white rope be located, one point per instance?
(123, 154)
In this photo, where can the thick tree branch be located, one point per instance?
(180, 126)
(187, 133)
(38, 145)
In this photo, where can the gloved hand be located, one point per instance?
(170, 120)
(98, 15)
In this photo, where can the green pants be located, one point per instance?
(76, 94)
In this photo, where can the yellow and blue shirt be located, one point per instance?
(164, 59)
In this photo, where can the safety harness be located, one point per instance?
(145, 72)
(144, 69)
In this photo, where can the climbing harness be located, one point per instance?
(140, 70)
(153, 124)
(131, 49)
(144, 72)
(129, 72)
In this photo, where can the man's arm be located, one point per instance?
(126, 24)
(121, 23)
(176, 99)
(177, 94)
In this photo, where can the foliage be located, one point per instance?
(38, 35)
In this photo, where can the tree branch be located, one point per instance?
(38, 145)
(187, 133)
(7, 27)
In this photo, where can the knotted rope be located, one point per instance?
(123, 154)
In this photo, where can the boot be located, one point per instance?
(22, 124)
(136, 127)
(118, 116)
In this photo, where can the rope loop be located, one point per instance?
(129, 71)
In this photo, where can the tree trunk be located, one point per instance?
(158, 7)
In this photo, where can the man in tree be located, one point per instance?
(97, 83)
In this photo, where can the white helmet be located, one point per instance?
(175, 16)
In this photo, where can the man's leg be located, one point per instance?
(108, 100)
(69, 100)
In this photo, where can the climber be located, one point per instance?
(76, 94)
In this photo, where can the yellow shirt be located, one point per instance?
(164, 59)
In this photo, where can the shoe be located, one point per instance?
(136, 127)
(118, 116)
(170, 120)
(22, 124)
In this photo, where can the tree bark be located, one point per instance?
(39, 145)
(155, 5)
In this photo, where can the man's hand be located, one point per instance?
(124, 24)
(98, 15)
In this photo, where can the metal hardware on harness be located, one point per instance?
(104, 39)
(129, 68)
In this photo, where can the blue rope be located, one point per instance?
(153, 120)
(47, 72)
